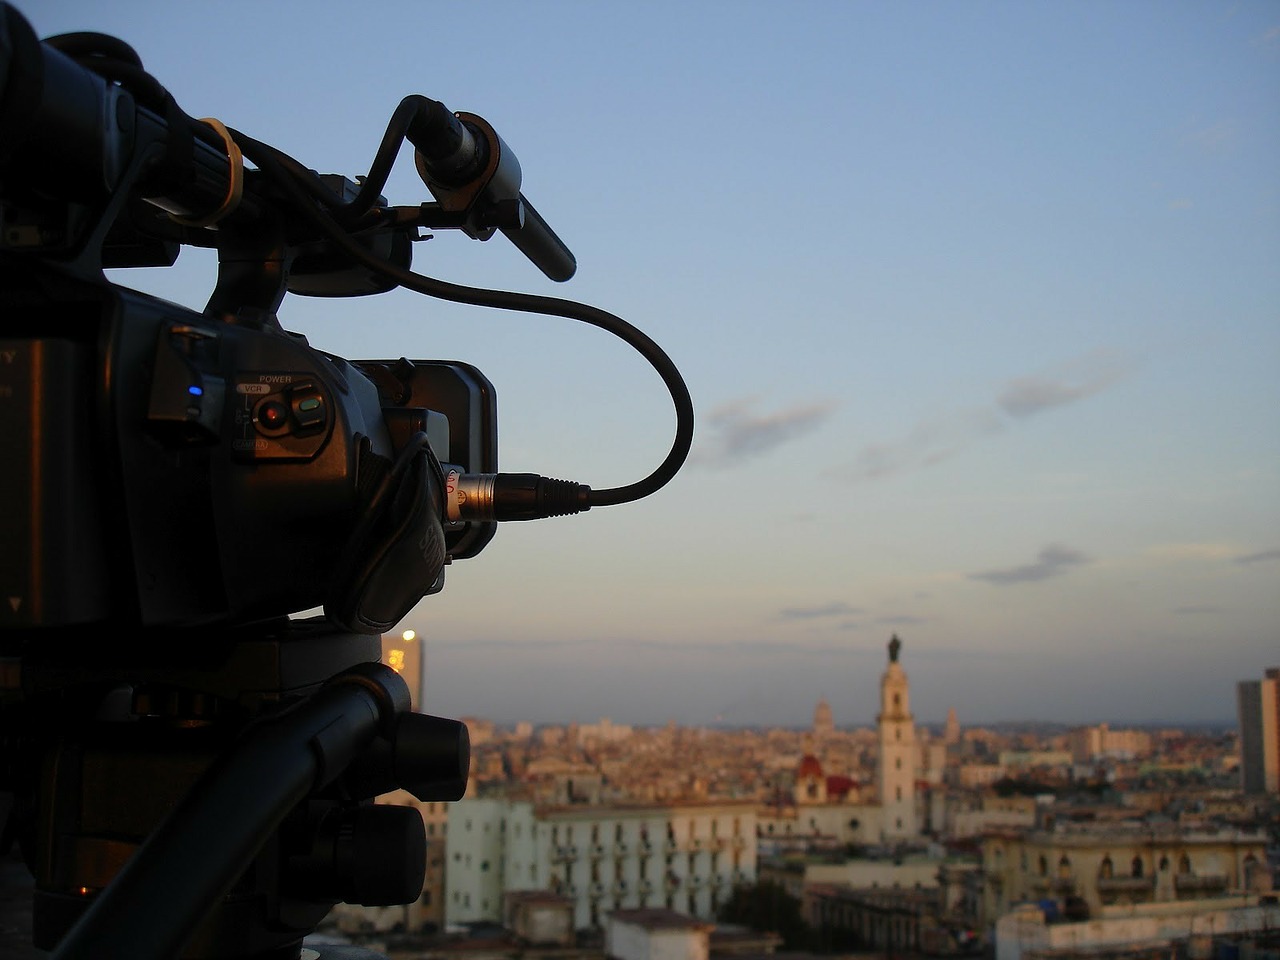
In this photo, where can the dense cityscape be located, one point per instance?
(606, 839)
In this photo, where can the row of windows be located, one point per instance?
(670, 900)
(1137, 866)
(620, 832)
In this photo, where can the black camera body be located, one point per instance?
(180, 469)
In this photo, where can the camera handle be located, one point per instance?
(155, 903)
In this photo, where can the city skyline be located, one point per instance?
(849, 713)
(977, 305)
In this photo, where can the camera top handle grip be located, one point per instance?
(537, 241)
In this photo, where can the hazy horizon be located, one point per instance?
(934, 726)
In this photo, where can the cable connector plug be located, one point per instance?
(511, 496)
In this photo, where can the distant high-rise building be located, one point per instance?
(824, 724)
(1258, 703)
(896, 776)
(402, 652)
(952, 733)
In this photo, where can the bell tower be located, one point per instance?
(896, 773)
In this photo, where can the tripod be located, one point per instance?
(227, 807)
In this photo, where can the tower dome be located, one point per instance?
(811, 781)
(810, 766)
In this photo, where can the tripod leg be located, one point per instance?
(188, 864)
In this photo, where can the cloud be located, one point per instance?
(1264, 556)
(525, 644)
(1210, 553)
(1052, 561)
(1027, 396)
(937, 439)
(927, 444)
(834, 609)
(735, 434)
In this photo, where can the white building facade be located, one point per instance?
(686, 858)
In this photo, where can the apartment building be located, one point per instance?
(1092, 866)
(678, 857)
(1101, 742)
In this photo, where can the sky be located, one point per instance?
(977, 303)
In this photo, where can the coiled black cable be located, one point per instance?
(276, 165)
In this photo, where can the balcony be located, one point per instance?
(596, 891)
(597, 851)
(1126, 884)
(646, 848)
(620, 849)
(1199, 883)
(716, 844)
(563, 853)
(619, 888)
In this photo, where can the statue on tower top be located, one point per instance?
(895, 646)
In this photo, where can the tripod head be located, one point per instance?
(191, 762)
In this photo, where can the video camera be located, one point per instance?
(190, 764)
